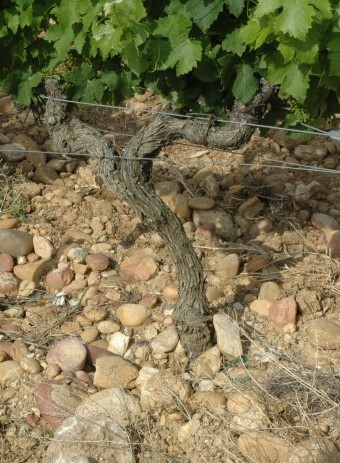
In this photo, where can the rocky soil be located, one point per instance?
(91, 369)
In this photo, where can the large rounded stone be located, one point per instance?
(56, 401)
(324, 333)
(69, 353)
(132, 314)
(114, 371)
(16, 242)
(59, 278)
(139, 267)
(166, 341)
(10, 370)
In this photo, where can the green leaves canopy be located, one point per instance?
(199, 54)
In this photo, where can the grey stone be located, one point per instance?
(16, 242)
(13, 152)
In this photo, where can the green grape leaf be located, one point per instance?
(235, 7)
(295, 83)
(245, 84)
(264, 7)
(79, 41)
(295, 19)
(185, 56)
(249, 33)
(204, 13)
(110, 80)
(12, 19)
(130, 56)
(93, 91)
(287, 51)
(334, 56)
(26, 85)
(233, 43)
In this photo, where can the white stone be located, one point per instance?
(118, 343)
(228, 335)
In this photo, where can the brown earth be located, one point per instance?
(287, 381)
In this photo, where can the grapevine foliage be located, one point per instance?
(199, 54)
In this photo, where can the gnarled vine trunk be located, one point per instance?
(130, 179)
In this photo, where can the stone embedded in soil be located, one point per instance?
(46, 175)
(324, 222)
(118, 343)
(16, 242)
(261, 306)
(9, 369)
(166, 341)
(31, 366)
(217, 221)
(6, 262)
(170, 293)
(26, 288)
(13, 152)
(208, 363)
(324, 333)
(75, 285)
(6, 346)
(97, 262)
(139, 267)
(225, 266)
(161, 389)
(43, 247)
(228, 335)
(239, 403)
(167, 191)
(8, 224)
(256, 263)
(308, 301)
(132, 314)
(89, 334)
(59, 278)
(213, 401)
(333, 242)
(250, 208)
(201, 202)
(98, 438)
(283, 314)
(270, 291)
(264, 447)
(181, 208)
(115, 403)
(69, 353)
(94, 352)
(8, 283)
(32, 271)
(29, 190)
(114, 371)
(108, 327)
(56, 401)
(284, 140)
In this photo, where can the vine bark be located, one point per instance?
(130, 178)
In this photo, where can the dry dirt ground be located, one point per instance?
(282, 255)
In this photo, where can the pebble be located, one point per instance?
(98, 262)
(33, 271)
(46, 175)
(228, 335)
(56, 401)
(256, 263)
(213, 401)
(26, 288)
(225, 266)
(52, 370)
(208, 363)
(69, 353)
(59, 278)
(43, 247)
(8, 224)
(114, 371)
(284, 140)
(270, 291)
(161, 389)
(6, 262)
(261, 306)
(283, 314)
(333, 242)
(108, 327)
(31, 366)
(95, 314)
(13, 152)
(77, 254)
(15, 242)
(166, 341)
(118, 343)
(89, 334)
(201, 202)
(8, 283)
(216, 221)
(170, 293)
(132, 314)
(250, 208)
(75, 285)
(181, 208)
(324, 333)
(139, 267)
(324, 222)
(9, 369)
(264, 447)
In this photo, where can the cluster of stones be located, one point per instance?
(111, 363)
